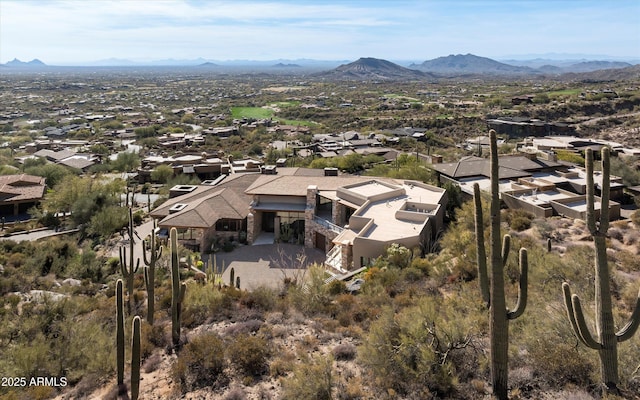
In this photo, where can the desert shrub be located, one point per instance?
(282, 364)
(314, 298)
(635, 217)
(152, 363)
(411, 351)
(627, 261)
(517, 219)
(244, 327)
(262, 298)
(201, 304)
(520, 224)
(336, 287)
(422, 264)
(411, 274)
(344, 352)
(561, 363)
(398, 256)
(235, 393)
(201, 363)
(249, 354)
(312, 380)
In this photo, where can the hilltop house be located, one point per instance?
(352, 218)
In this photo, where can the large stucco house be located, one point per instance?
(351, 218)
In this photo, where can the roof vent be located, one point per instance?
(330, 171)
(177, 208)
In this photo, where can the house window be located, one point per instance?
(229, 225)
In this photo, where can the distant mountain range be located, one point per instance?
(472, 64)
(368, 68)
(33, 63)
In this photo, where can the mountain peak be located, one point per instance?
(369, 68)
(33, 63)
(470, 64)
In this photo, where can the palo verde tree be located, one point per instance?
(492, 286)
(606, 339)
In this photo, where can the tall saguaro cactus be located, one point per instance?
(129, 269)
(492, 282)
(606, 338)
(119, 332)
(177, 289)
(135, 358)
(155, 252)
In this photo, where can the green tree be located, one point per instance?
(126, 162)
(161, 173)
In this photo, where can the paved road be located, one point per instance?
(143, 231)
(31, 236)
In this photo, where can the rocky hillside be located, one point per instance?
(470, 64)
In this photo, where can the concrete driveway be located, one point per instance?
(266, 264)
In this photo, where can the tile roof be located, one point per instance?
(234, 203)
(21, 187)
(511, 167)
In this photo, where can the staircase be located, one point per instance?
(334, 260)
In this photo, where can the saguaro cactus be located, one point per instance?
(177, 289)
(155, 252)
(606, 338)
(129, 269)
(119, 332)
(135, 358)
(492, 287)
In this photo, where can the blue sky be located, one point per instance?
(77, 31)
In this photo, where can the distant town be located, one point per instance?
(304, 209)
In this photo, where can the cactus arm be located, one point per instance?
(632, 326)
(522, 292)
(123, 263)
(147, 259)
(506, 247)
(480, 249)
(119, 332)
(566, 291)
(583, 329)
(135, 359)
(574, 316)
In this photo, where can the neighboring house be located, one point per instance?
(353, 218)
(69, 158)
(523, 127)
(18, 193)
(574, 144)
(542, 187)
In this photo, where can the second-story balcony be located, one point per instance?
(328, 224)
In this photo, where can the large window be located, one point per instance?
(289, 217)
(230, 225)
